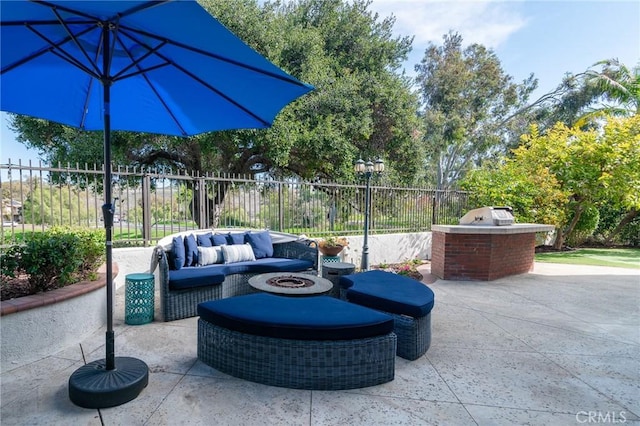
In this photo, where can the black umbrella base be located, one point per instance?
(93, 386)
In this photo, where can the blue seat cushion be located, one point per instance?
(300, 318)
(199, 276)
(196, 276)
(266, 264)
(271, 264)
(389, 292)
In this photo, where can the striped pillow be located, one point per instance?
(209, 255)
(238, 253)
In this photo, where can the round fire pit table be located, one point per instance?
(291, 284)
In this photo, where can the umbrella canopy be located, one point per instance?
(163, 67)
(173, 69)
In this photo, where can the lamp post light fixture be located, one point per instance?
(366, 171)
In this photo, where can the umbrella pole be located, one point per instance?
(107, 214)
(111, 381)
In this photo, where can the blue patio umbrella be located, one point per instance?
(165, 67)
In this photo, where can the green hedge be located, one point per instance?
(55, 258)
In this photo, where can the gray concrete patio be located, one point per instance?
(558, 346)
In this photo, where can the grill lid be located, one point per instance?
(496, 216)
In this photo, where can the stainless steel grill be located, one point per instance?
(492, 216)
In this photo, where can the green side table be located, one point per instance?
(139, 299)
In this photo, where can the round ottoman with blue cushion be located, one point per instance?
(409, 302)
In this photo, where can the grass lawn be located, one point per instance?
(620, 258)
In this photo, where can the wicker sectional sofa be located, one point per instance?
(232, 257)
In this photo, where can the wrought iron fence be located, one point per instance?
(150, 204)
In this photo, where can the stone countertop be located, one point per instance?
(516, 228)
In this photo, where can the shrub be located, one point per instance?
(55, 258)
(407, 268)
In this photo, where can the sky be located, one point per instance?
(547, 38)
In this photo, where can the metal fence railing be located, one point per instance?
(150, 204)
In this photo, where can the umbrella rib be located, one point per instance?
(74, 37)
(164, 104)
(56, 49)
(285, 77)
(141, 71)
(135, 62)
(87, 98)
(65, 9)
(51, 48)
(213, 89)
(199, 80)
(143, 6)
(121, 76)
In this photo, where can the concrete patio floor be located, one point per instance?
(557, 346)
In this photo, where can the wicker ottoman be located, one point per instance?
(406, 300)
(318, 342)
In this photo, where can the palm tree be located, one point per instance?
(618, 88)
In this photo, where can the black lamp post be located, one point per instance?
(366, 171)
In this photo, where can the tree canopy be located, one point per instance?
(468, 102)
(607, 88)
(555, 177)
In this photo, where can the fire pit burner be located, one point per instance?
(290, 282)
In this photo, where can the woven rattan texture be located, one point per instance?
(414, 335)
(298, 364)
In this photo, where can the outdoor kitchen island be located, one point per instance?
(483, 252)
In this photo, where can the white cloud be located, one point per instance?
(486, 22)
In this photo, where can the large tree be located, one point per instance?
(469, 104)
(363, 103)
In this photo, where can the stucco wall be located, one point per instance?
(131, 261)
(389, 248)
(35, 333)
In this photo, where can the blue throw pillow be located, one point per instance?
(191, 251)
(219, 239)
(260, 243)
(177, 254)
(204, 240)
(235, 238)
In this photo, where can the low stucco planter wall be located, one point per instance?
(389, 248)
(36, 326)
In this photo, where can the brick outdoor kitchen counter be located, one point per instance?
(483, 253)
